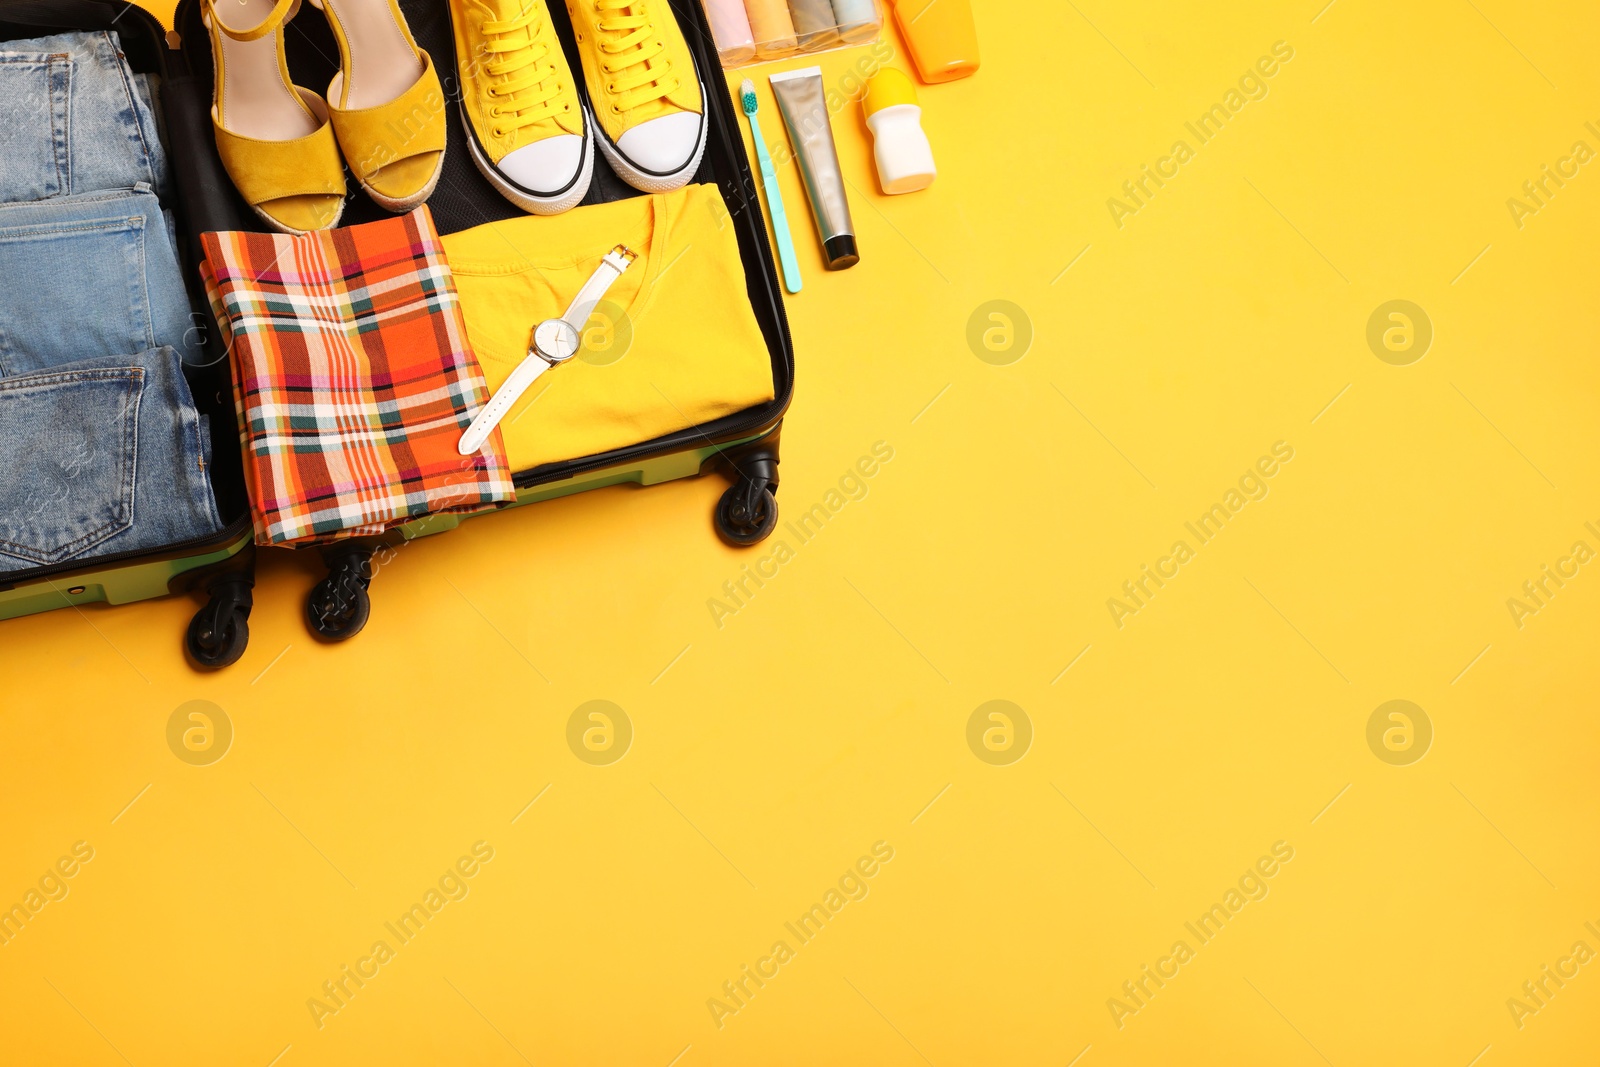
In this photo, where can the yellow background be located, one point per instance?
(826, 715)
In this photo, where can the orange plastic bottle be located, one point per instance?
(941, 36)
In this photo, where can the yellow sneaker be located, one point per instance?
(520, 105)
(649, 104)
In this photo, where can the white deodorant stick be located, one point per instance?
(901, 148)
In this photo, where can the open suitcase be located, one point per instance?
(221, 568)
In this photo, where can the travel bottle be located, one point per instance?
(730, 29)
(900, 148)
(773, 28)
(941, 36)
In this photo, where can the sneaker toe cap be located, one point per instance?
(663, 145)
(546, 166)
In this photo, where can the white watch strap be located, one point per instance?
(616, 261)
(527, 372)
(611, 267)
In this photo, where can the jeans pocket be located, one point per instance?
(70, 442)
(86, 289)
(35, 154)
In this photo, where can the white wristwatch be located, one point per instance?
(554, 341)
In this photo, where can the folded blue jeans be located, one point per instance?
(89, 275)
(74, 119)
(102, 456)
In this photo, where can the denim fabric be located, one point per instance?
(101, 456)
(87, 276)
(73, 120)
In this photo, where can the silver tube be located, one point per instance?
(804, 106)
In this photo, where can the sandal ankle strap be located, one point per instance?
(282, 12)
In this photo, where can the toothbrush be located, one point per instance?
(769, 177)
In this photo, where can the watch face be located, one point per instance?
(556, 340)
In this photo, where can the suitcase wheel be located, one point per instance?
(747, 512)
(219, 632)
(339, 606)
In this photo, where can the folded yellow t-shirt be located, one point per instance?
(673, 345)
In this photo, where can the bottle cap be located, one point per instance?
(888, 88)
(841, 252)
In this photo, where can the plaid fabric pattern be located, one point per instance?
(353, 379)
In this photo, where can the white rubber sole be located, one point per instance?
(527, 201)
(647, 181)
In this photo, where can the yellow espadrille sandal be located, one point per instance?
(274, 136)
(387, 104)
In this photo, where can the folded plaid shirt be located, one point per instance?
(353, 379)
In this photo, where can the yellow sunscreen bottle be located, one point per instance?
(941, 36)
